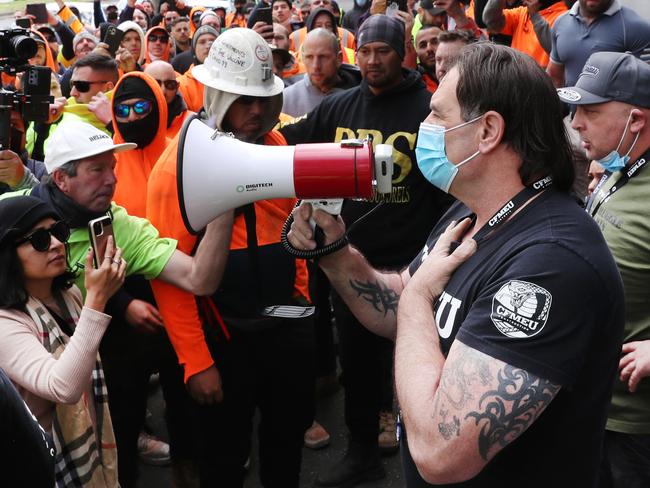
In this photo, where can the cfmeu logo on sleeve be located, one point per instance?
(520, 309)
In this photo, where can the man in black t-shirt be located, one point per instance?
(510, 319)
(388, 106)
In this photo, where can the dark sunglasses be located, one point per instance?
(84, 86)
(169, 84)
(41, 239)
(141, 107)
(155, 38)
(248, 100)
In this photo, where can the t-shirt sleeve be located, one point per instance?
(538, 312)
(143, 249)
(637, 38)
(555, 56)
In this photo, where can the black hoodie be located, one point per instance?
(394, 234)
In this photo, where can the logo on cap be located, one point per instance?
(568, 94)
(590, 70)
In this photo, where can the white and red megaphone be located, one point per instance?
(217, 172)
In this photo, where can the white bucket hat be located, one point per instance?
(73, 140)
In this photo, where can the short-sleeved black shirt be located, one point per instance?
(543, 294)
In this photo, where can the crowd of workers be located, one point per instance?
(488, 318)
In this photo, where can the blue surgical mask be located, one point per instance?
(432, 157)
(614, 161)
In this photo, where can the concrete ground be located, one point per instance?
(329, 414)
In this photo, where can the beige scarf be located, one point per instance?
(86, 454)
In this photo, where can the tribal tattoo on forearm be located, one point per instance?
(382, 299)
(510, 409)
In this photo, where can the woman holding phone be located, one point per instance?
(49, 338)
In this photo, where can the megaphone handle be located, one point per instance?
(331, 206)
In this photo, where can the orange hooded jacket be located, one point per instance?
(165, 56)
(179, 308)
(50, 62)
(134, 167)
(191, 90)
(193, 26)
(177, 123)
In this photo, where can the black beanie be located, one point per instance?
(19, 214)
(133, 87)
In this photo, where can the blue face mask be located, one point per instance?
(432, 157)
(614, 161)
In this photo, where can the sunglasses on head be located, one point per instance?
(141, 107)
(84, 86)
(155, 38)
(41, 239)
(169, 84)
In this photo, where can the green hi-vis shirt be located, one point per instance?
(145, 252)
(625, 222)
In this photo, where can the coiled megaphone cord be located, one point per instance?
(320, 251)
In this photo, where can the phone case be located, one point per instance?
(113, 39)
(99, 230)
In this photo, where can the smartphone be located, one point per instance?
(24, 22)
(113, 39)
(39, 11)
(262, 14)
(99, 230)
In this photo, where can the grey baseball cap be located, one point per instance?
(609, 76)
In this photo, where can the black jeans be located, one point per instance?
(366, 361)
(271, 370)
(627, 461)
(129, 358)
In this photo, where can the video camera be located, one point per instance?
(16, 48)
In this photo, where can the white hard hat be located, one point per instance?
(75, 139)
(240, 62)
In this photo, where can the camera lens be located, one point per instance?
(97, 227)
(25, 47)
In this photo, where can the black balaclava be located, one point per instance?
(142, 131)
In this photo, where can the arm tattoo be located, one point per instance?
(510, 409)
(464, 373)
(448, 429)
(382, 299)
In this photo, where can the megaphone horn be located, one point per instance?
(218, 173)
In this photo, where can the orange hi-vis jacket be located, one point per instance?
(297, 37)
(180, 309)
(177, 123)
(134, 167)
(191, 90)
(520, 27)
(236, 19)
